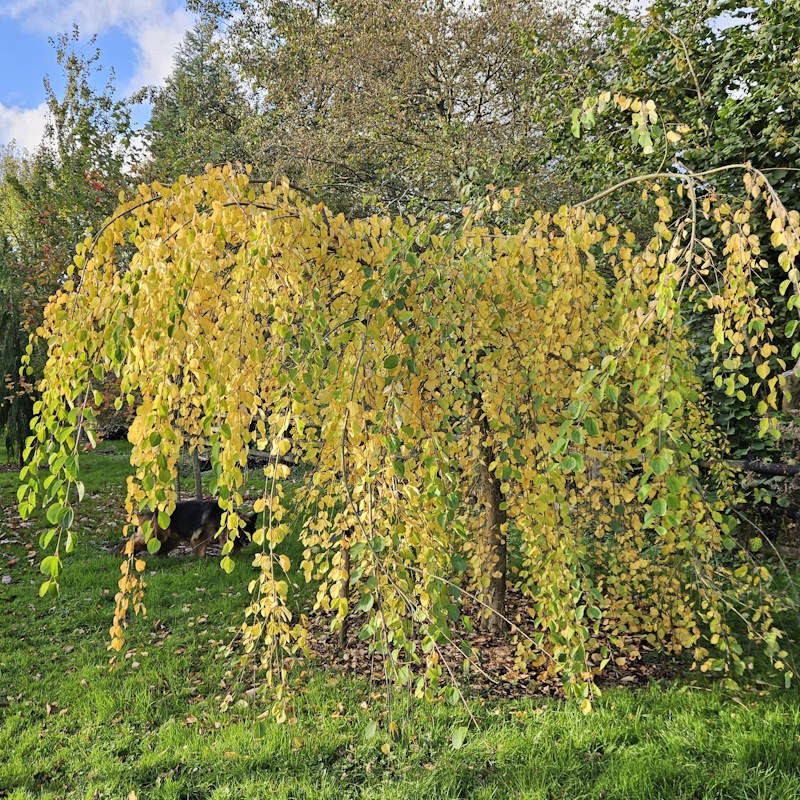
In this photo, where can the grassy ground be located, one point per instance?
(74, 725)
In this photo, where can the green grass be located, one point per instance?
(75, 725)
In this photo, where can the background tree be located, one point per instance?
(391, 103)
(16, 407)
(50, 200)
(198, 115)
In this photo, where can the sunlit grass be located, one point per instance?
(78, 722)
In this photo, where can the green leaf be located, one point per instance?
(458, 737)
(576, 123)
(366, 602)
(659, 464)
(48, 565)
(674, 483)
(577, 408)
(391, 362)
(67, 518)
(54, 513)
(458, 562)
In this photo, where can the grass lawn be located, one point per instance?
(77, 723)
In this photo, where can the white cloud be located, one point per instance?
(157, 40)
(155, 26)
(23, 126)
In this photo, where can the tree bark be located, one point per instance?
(198, 478)
(344, 588)
(761, 467)
(767, 468)
(178, 477)
(493, 542)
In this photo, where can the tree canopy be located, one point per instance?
(475, 403)
(198, 116)
(391, 104)
(492, 383)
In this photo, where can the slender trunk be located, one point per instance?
(344, 588)
(198, 478)
(493, 539)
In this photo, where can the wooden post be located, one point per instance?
(198, 478)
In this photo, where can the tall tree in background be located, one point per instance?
(717, 85)
(198, 114)
(16, 405)
(52, 199)
(728, 72)
(391, 103)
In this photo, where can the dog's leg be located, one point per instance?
(202, 537)
(169, 541)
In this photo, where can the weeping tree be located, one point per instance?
(481, 411)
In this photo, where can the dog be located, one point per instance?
(195, 522)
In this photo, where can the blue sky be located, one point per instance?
(137, 38)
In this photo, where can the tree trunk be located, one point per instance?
(198, 478)
(344, 588)
(493, 545)
(771, 468)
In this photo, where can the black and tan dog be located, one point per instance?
(194, 522)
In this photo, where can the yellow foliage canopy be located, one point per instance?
(390, 356)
